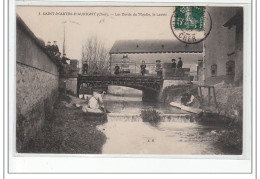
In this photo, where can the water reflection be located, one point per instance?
(134, 105)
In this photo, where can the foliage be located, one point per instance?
(96, 55)
(229, 133)
(69, 131)
(171, 93)
(151, 116)
(232, 136)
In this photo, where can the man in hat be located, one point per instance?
(179, 65)
(57, 57)
(143, 66)
(48, 47)
(55, 48)
(173, 63)
(64, 59)
(158, 67)
(85, 68)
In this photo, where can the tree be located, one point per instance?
(95, 55)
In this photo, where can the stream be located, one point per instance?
(127, 134)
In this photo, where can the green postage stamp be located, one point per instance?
(189, 18)
(191, 24)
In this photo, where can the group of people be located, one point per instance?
(158, 67)
(55, 52)
(87, 69)
(53, 49)
(142, 67)
(178, 65)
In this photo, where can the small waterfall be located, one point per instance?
(128, 117)
(124, 117)
(181, 118)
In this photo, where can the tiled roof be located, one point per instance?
(154, 46)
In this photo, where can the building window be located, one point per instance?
(230, 67)
(213, 70)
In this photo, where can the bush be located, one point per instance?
(151, 116)
(232, 137)
(172, 93)
(229, 132)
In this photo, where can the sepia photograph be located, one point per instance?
(129, 80)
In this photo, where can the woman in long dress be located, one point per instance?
(95, 103)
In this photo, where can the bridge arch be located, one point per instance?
(149, 85)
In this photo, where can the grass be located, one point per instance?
(231, 137)
(68, 131)
(228, 131)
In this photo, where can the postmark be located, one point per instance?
(191, 24)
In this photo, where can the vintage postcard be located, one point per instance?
(130, 80)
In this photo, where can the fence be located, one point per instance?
(106, 67)
(133, 68)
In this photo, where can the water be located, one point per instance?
(175, 134)
(134, 105)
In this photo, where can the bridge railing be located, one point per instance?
(134, 68)
(102, 81)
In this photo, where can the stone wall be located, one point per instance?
(37, 80)
(218, 79)
(71, 84)
(229, 100)
(220, 42)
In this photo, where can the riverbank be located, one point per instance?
(227, 116)
(68, 131)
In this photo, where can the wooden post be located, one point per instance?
(78, 87)
(82, 91)
(209, 94)
(65, 90)
(201, 97)
(215, 98)
(110, 63)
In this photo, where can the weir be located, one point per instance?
(131, 117)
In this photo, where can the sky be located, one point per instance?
(82, 23)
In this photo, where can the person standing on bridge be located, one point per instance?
(117, 68)
(85, 68)
(143, 66)
(158, 67)
(180, 63)
(173, 64)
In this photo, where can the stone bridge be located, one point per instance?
(150, 85)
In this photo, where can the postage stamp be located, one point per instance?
(190, 24)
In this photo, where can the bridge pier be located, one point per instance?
(150, 95)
